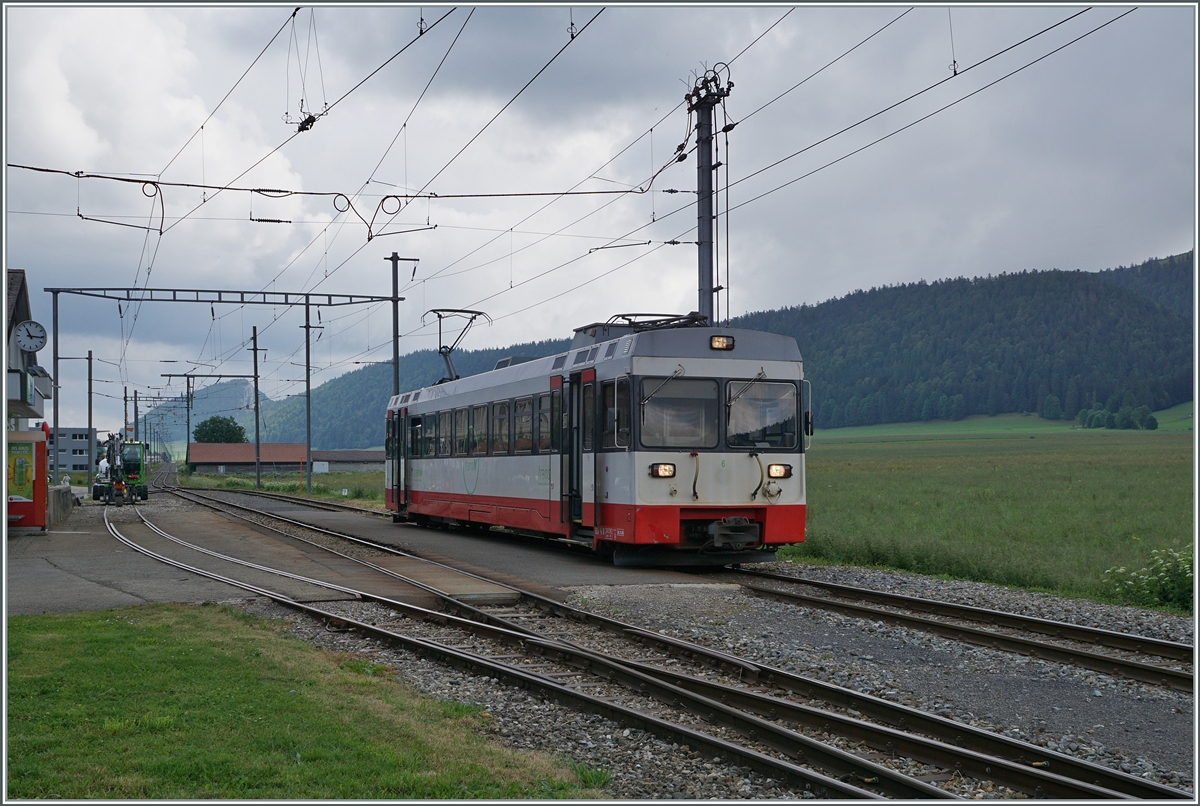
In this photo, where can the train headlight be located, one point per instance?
(779, 471)
(721, 342)
(662, 470)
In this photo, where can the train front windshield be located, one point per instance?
(761, 415)
(679, 413)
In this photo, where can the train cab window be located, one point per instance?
(615, 410)
(589, 417)
(523, 425)
(679, 413)
(460, 432)
(545, 432)
(477, 445)
(445, 432)
(500, 428)
(761, 414)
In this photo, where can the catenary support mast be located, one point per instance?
(703, 98)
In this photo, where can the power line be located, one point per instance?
(291, 16)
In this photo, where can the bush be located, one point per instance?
(1151, 423)
(1166, 581)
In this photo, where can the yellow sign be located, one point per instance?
(20, 471)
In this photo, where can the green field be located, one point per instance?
(361, 489)
(189, 702)
(1012, 500)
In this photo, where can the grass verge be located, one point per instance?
(363, 489)
(173, 701)
(1040, 509)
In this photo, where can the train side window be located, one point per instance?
(589, 417)
(429, 434)
(616, 413)
(460, 432)
(500, 428)
(389, 440)
(445, 432)
(545, 417)
(523, 425)
(556, 419)
(478, 444)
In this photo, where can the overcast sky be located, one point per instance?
(1083, 160)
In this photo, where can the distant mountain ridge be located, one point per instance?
(917, 351)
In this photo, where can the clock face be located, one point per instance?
(30, 336)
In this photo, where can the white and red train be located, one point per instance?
(659, 441)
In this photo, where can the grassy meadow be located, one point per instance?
(363, 489)
(188, 702)
(1012, 499)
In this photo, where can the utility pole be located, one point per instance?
(257, 449)
(91, 436)
(703, 98)
(396, 300)
(187, 437)
(308, 398)
(125, 424)
(54, 385)
(136, 431)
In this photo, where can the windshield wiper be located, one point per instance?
(762, 374)
(674, 375)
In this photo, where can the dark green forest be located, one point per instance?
(1050, 342)
(1167, 281)
(994, 345)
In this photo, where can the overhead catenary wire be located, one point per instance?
(832, 162)
(231, 89)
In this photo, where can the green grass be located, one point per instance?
(190, 702)
(1176, 418)
(1047, 507)
(364, 489)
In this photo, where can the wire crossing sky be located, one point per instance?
(873, 146)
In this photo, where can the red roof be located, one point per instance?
(234, 453)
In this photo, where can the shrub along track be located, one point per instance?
(539, 644)
(1115, 660)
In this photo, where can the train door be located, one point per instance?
(401, 442)
(577, 474)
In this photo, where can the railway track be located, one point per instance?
(1005, 632)
(688, 692)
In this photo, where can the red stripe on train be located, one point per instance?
(619, 523)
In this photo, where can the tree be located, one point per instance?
(219, 429)
(958, 407)
(1151, 423)
(1051, 410)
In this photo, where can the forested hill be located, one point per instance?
(348, 412)
(987, 346)
(1167, 281)
(911, 352)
